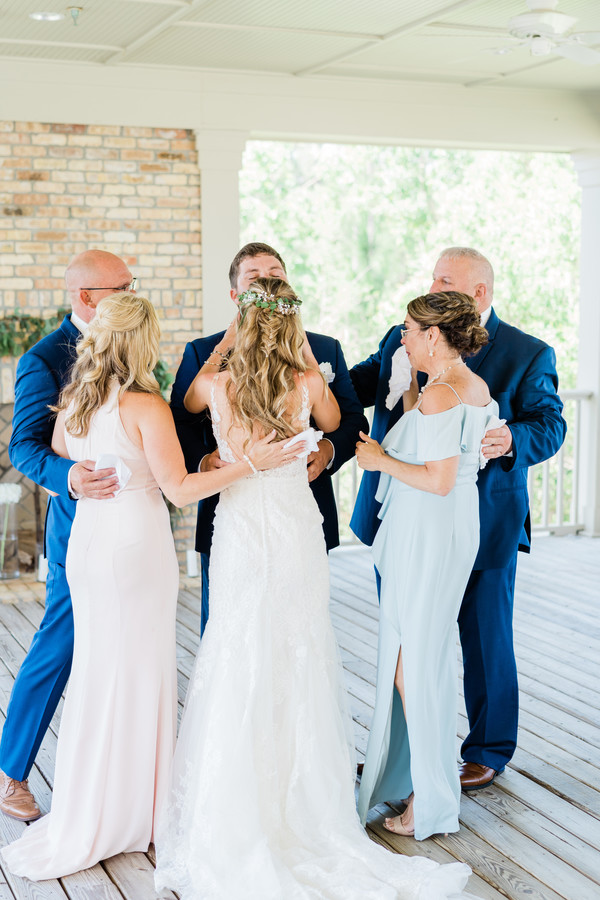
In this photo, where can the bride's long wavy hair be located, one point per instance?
(122, 343)
(267, 354)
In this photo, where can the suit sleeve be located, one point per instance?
(538, 428)
(352, 418)
(194, 431)
(365, 375)
(36, 388)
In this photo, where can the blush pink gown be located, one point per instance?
(117, 732)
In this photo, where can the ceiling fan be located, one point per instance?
(547, 33)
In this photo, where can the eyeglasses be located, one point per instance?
(131, 286)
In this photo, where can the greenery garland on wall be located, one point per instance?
(20, 332)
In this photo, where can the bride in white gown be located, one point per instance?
(262, 800)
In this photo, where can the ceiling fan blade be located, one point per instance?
(587, 37)
(585, 56)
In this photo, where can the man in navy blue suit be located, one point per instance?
(520, 371)
(257, 260)
(41, 374)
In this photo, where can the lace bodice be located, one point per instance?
(230, 438)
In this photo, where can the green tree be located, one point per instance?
(360, 228)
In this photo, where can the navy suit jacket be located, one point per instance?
(41, 374)
(197, 439)
(520, 372)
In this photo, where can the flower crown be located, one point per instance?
(287, 306)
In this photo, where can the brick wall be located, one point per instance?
(134, 191)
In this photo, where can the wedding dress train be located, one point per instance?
(262, 802)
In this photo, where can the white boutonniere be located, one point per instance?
(400, 377)
(326, 371)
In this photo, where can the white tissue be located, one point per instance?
(400, 377)
(112, 461)
(311, 437)
(494, 422)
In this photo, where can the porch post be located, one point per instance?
(219, 161)
(588, 170)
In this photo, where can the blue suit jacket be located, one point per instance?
(41, 374)
(520, 371)
(196, 437)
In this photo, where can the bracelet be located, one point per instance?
(250, 463)
(222, 355)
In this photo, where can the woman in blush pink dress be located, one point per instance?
(117, 733)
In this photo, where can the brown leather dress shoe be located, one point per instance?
(16, 800)
(474, 776)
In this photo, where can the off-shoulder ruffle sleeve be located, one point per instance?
(439, 436)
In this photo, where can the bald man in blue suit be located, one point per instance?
(41, 374)
(257, 260)
(520, 371)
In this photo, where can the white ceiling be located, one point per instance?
(398, 41)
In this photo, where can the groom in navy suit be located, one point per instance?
(520, 371)
(41, 374)
(258, 260)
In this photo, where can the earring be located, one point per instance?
(431, 352)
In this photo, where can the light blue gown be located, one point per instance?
(424, 550)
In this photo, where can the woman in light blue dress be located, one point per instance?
(424, 551)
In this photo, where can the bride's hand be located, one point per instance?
(228, 339)
(369, 453)
(269, 453)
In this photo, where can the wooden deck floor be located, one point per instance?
(534, 835)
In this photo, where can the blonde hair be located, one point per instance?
(120, 344)
(266, 356)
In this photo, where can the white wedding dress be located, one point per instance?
(262, 803)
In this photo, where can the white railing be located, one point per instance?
(554, 485)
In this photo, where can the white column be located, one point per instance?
(588, 379)
(219, 161)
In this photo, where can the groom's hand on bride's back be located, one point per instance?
(212, 461)
(319, 460)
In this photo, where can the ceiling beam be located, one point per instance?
(479, 82)
(77, 44)
(161, 2)
(145, 38)
(237, 26)
(408, 28)
(469, 29)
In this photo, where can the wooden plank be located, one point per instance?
(134, 873)
(545, 868)
(431, 850)
(553, 778)
(485, 860)
(559, 700)
(91, 884)
(22, 888)
(563, 643)
(543, 804)
(555, 808)
(577, 853)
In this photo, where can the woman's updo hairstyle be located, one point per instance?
(457, 317)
